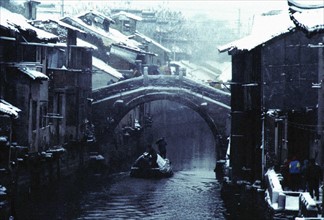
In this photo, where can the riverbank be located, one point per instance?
(37, 173)
(244, 200)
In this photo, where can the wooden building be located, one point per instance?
(116, 49)
(49, 81)
(162, 53)
(8, 113)
(274, 101)
(126, 22)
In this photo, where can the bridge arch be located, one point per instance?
(115, 101)
(154, 96)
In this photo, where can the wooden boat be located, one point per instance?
(146, 167)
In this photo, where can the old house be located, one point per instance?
(275, 101)
(126, 22)
(102, 73)
(162, 53)
(161, 25)
(69, 65)
(49, 81)
(116, 49)
(23, 79)
(97, 19)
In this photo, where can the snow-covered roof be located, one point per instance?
(197, 72)
(309, 20)
(113, 36)
(105, 67)
(149, 40)
(271, 25)
(83, 43)
(122, 38)
(126, 54)
(65, 25)
(97, 14)
(264, 29)
(128, 15)
(7, 108)
(137, 50)
(34, 74)
(17, 22)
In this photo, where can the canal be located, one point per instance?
(192, 193)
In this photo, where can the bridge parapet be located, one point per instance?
(160, 82)
(111, 103)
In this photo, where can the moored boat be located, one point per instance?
(287, 204)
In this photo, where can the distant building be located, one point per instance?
(48, 10)
(97, 19)
(162, 53)
(115, 48)
(126, 22)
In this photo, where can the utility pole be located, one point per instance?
(239, 23)
(62, 8)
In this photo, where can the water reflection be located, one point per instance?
(192, 193)
(191, 144)
(187, 195)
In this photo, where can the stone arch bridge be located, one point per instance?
(112, 102)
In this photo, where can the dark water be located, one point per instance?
(192, 193)
(187, 195)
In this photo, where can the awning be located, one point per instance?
(34, 74)
(8, 109)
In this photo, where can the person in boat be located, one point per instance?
(152, 155)
(313, 178)
(161, 143)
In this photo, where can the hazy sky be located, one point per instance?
(191, 7)
(211, 8)
(208, 7)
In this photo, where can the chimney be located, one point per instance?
(31, 9)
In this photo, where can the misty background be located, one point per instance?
(197, 28)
